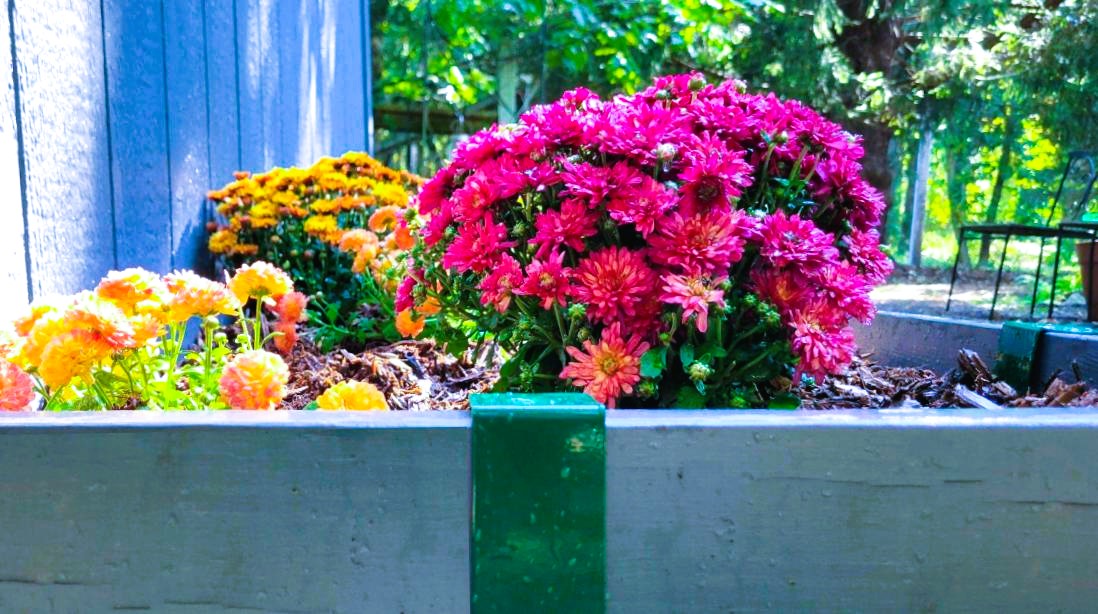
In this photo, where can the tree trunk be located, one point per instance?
(922, 184)
(1001, 177)
(956, 180)
(909, 199)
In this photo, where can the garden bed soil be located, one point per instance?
(419, 376)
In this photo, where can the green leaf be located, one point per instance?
(686, 355)
(688, 398)
(784, 400)
(652, 362)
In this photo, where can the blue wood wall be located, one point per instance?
(116, 117)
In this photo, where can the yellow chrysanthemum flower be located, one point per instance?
(223, 241)
(353, 395)
(67, 356)
(132, 287)
(259, 280)
(391, 193)
(324, 227)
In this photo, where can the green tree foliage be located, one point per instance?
(985, 73)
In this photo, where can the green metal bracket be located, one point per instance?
(539, 503)
(1016, 363)
(1017, 353)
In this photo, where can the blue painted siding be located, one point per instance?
(117, 116)
(13, 271)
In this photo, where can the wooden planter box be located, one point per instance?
(706, 511)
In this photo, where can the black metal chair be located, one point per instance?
(1079, 177)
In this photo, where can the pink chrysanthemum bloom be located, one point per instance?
(841, 286)
(547, 280)
(404, 299)
(822, 345)
(787, 290)
(712, 176)
(477, 246)
(476, 196)
(790, 239)
(615, 284)
(255, 379)
(587, 183)
(705, 244)
(436, 190)
(497, 288)
(638, 199)
(694, 295)
(864, 251)
(16, 387)
(609, 369)
(567, 227)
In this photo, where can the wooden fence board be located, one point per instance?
(222, 76)
(347, 91)
(134, 46)
(13, 261)
(187, 128)
(59, 58)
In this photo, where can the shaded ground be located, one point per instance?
(925, 290)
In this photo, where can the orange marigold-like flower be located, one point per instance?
(609, 369)
(109, 326)
(285, 341)
(260, 279)
(408, 325)
(16, 387)
(403, 237)
(384, 219)
(353, 395)
(69, 355)
(255, 379)
(130, 287)
(324, 227)
(356, 239)
(290, 307)
(194, 295)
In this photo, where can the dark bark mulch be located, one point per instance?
(866, 385)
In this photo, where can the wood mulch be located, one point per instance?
(866, 385)
(419, 376)
(413, 375)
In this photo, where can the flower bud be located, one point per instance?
(577, 311)
(696, 83)
(520, 229)
(781, 138)
(666, 152)
(220, 338)
(211, 321)
(242, 340)
(665, 338)
(583, 334)
(699, 371)
(275, 239)
(309, 254)
(647, 389)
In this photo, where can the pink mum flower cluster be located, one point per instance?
(728, 233)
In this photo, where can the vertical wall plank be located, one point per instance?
(187, 129)
(59, 58)
(221, 81)
(270, 84)
(367, 75)
(347, 91)
(134, 46)
(295, 18)
(13, 256)
(250, 66)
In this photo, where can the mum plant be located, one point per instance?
(339, 228)
(122, 346)
(690, 245)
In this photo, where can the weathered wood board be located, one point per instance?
(706, 511)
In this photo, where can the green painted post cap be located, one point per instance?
(539, 503)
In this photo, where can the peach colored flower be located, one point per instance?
(132, 288)
(16, 387)
(356, 239)
(255, 379)
(384, 219)
(408, 325)
(194, 295)
(260, 280)
(354, 395)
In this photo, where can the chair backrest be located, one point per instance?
(1076, 186)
